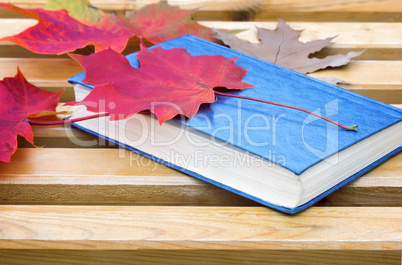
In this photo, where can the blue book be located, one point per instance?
(279, 157)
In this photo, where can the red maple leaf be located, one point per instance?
(168, 82)
(161, 22)
(56, 32)
(20, 100)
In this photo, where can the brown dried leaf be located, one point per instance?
(282, 47)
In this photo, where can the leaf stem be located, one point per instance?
(98, 115)
(349, 128)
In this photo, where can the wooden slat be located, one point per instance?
(11, 27)
(320, 16)
(41, 72)
(276, 5)
(366, 73)
(296, 10)
(338, 10)
(198, 228)
(222, 9)
(130, 5)
(379, 39)
(337, 5)
(9, 50)
(350, 35)
(258, 14)
(132, 179)
(201, 257)
(44, 176)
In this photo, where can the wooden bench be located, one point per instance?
(65, 203)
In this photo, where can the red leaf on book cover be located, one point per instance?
(168, 82)
(21, 100)
(57, 32)
(282, 47)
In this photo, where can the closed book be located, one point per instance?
(280, 157)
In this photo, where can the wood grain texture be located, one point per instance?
(292, 10)
(339, 10)
(329, 16)
(41, 72)
(202, 228)
(277, 5)
(349, 35)
(337, 5)
(43, 176)
(201, 257)
(81, 201)
(130, 5)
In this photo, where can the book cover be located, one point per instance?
(286, 138)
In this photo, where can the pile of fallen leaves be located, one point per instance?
(65, 26)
